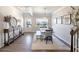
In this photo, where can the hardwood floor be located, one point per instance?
(24, 44)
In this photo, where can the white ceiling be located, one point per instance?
(47, 9)
(38, 9)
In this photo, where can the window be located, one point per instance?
(28, 23)
(54, 21)
(42, 23)
(59, 20)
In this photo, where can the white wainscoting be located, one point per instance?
(1, 40)
(63, 32)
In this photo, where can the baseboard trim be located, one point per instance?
(50, 51)
(62, 41)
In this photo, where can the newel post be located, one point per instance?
(72, 40)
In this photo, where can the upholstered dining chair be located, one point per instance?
(48, 35)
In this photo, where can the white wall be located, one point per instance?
(5, 11)
(34, 17)
(10, 10)
(1, 32)
(62, 30)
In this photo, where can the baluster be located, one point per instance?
(72, 40)
(77, 41)
(74, 43)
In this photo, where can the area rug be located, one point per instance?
(41, 45)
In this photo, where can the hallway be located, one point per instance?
(24, 44)
(16, 20)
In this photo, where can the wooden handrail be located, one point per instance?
(1, 30)
(73, 32)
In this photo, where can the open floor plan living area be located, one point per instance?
(39, 28)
